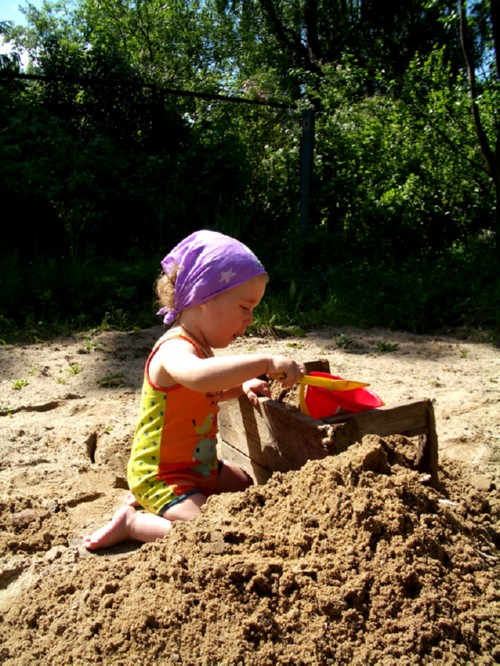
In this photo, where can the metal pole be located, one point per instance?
(306, 166)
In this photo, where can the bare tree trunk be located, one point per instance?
(490, 154)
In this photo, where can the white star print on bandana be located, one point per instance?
(226, 276)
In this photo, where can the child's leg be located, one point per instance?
(127, 523)
(232, 479)
(186, 509)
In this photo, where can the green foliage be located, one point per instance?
(103, 169)
(59, 294)
(399, 177)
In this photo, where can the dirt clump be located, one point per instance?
(350, 560)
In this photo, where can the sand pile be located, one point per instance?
(351, 560)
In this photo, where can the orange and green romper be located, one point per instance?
(174, 449)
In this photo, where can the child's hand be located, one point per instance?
(255, 387)
(288, 372)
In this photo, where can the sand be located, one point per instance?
(353, 559)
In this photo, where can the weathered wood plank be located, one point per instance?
(272, 434)
(260, 475)
(388, 420)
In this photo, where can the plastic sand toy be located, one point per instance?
(323, 395)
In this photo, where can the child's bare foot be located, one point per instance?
(113, 532)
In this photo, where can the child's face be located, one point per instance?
(227, 316)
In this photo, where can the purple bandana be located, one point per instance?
(208, 263)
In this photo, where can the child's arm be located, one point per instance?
(176, 362)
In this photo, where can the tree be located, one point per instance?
(485, 95)
(299, 39)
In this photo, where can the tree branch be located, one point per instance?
(471, 75)
(288, 38)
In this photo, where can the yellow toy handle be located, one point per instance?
(302, 399)
(332, 384)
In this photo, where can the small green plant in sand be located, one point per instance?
(385, 347)
(18, 384)
(91, 344)
(113, 380)
(295, 345)
(343, 341)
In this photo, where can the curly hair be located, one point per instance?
(165, 287)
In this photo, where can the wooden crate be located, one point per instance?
(275, 436)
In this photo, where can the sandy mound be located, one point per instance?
(350, 560)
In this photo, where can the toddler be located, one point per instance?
(210, 285)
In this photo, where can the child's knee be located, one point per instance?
(233, 479)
